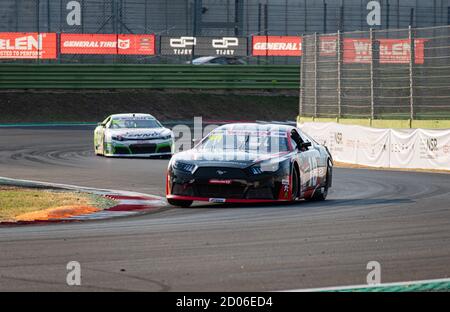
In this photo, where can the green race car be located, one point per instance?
(133, 135)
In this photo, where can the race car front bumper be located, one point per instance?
(225, 200)
(238, 187)
(139, 148)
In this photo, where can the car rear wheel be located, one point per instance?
(180, 203)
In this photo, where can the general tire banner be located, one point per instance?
(28, 46)
(204, 46)
(107, 44)
(390, 148)
(276, 46)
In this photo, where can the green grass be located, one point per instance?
(15, 201)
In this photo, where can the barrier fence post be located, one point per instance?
(315, 74)
(302, 66)
(412, 58)
(339, 72)
(372, 83)
(38, 23)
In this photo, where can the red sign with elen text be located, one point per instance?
(392, 51)
(107, 44)
(27, 46)
(277, 46)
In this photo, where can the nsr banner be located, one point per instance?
(390, 148)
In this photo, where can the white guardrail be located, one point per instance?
(389, 148)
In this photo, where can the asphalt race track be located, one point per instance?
(400, 219)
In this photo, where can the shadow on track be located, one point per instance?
(305, 203)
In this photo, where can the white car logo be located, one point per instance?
(124, 44)
(220, 172)
(183, 42)
(225, 42)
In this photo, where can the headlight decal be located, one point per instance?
(190, 168)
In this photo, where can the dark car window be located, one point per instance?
(241, 141)
(235, 61)
(221, 60)
(298, 140)
(134, 123)
(106, 121)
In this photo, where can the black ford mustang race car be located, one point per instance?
(250, 163)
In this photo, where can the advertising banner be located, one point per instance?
(28, 46)
(328, 46)
(107, 44)
(276, 46)
(390, 148)
(392, 51)
(204, 46)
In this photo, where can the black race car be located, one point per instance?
(250, 163)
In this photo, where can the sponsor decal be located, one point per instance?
(225, 42)
(28, 46)
(432, 144)
(217, 200)
(327, 46)
(402, 147)
(338, 137)
(206, 46)
(429, 148)
(107, 44)
(182, 45)
(216, 181)
(225, 45)
(276, 46)
(446, 149)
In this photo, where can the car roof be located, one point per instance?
(256, 127)
(130, 115)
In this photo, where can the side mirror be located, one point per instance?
(304, 145)
(101, 124)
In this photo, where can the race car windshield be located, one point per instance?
(134, 124)
(246, 142)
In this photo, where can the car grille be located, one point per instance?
(164, 149)
(183, 190)
(143, 148)
(214, 173)
(260, 193)
(221, 191)
(121, 150)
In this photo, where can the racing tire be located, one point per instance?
(97, 153)
(180, 203)
(295, 183)
(322, 192)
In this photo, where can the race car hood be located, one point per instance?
(140, 134)
(231, 159)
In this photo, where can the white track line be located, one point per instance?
(75, 187)
(444, 280)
